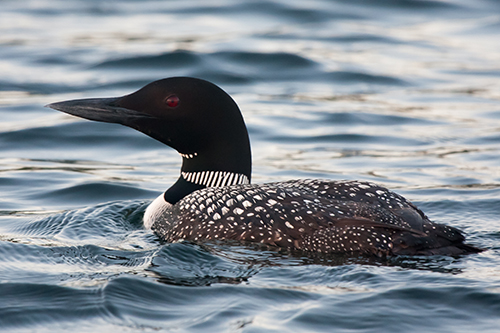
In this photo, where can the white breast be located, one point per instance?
(155, 211)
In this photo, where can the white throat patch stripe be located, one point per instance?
(215, 178)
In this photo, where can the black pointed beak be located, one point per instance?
(100, 109)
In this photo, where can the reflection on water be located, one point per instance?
(404, 93)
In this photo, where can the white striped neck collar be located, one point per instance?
(189, 156)
(215, 178)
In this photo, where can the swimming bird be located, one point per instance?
(213, 198)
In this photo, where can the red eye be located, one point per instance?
(172, 101)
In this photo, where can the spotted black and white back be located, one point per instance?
(310, 215)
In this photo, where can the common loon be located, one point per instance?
(213, 198)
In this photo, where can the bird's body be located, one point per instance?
(214, 200)
(309, 215)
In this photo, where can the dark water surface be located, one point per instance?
(404, 93)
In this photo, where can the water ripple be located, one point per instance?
(399, 92)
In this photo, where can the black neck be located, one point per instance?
(236, 160)
(179, 190)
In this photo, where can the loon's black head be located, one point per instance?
(193, 116)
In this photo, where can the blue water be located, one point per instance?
(404, 93)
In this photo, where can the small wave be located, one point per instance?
(166, 60)
(243, 67)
